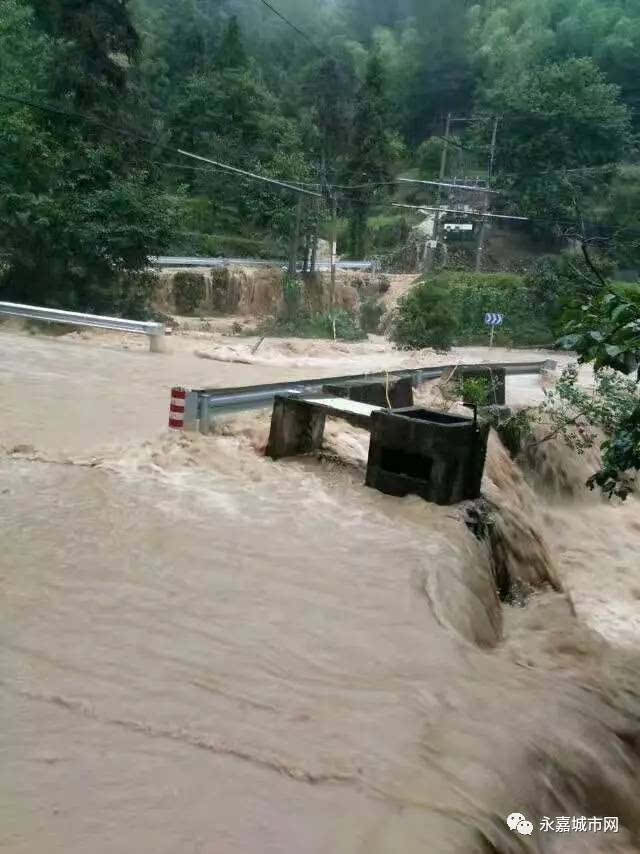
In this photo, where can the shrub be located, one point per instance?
(387, 232)
(292, 298)
(371, 312)
(343, 322)
(472, 295)
(135, 293)
(188, 292)
(476, 391)
(424, 318)
(315, 326)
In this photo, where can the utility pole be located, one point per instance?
(314, 241)
(295, 240)
(334, 249)
(483, 227)
(428, 251)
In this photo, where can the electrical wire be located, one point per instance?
(156, 144)
(296, 29)
(615, 229)
(452, 186)
(465, 213)
(290, 186)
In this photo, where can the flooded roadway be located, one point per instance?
(203, 651)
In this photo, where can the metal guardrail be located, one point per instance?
(204, 405)
(171, 262)
(155, 331)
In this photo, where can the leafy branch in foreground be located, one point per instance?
(580, 416)
(605, 331)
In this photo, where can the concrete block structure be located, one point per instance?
(297, 423)
(375, 392)
(418, 452)
(496, 377)
(296, 428)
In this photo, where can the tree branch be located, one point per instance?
(571, 422)
(590, 264)
(584, 244)
(579, 272)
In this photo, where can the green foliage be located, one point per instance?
(620, 209)
(424, 318)
(429, 157)
(476, 391)
(558, 117)
(227, 80)
(532, 307)
(79, 215)
(374, 149)
(97, 40)
(606, 332)
(371, 312)
(510, 35)
(387, 232)
(514, 431)
(188, 292)
(620, 458)
(472, 295)
(558, 283)
(339, 325)
(292, 299)
(295, 319)
(232, 53)
(222, 245)
(611, 407)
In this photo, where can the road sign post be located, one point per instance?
(492, 320)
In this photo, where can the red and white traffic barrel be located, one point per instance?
(176, 410)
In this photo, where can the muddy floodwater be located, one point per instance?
(204, 651)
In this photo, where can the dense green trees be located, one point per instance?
(359, 98)
(374, 147)
(99, 42)
(558, 119)
(80, 211)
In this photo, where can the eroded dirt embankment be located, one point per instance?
(258, 292)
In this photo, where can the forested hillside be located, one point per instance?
(98, 98)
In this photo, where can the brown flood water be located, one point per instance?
(203, 651)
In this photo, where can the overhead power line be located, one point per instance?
(452, 186)
(295, 28)
(147, 141)
(461, 213)
(58, 111)
(247, 174)
(547, 221)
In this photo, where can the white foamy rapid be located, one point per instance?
(205, 651)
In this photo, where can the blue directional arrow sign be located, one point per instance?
(492, 319)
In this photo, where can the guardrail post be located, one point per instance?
(183, 411)
(205, 416)
(158, 342)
